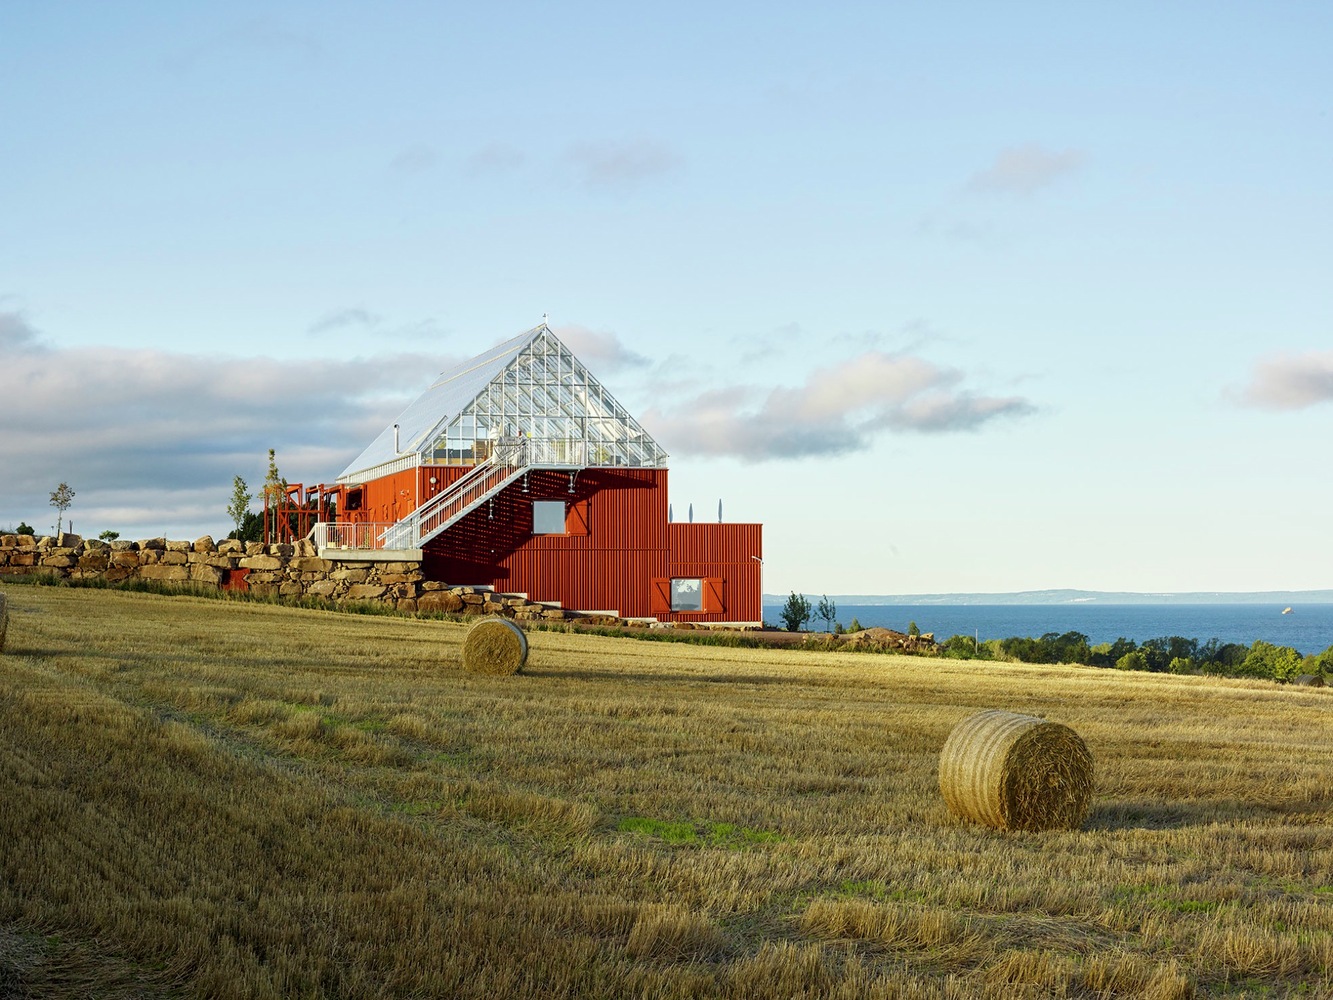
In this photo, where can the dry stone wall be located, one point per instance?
(288, 571)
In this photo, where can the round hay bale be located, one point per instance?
(4, 621)
(1016, 772)
(1310, 680)
(495, 646)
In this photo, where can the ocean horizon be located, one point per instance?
(1308, 628)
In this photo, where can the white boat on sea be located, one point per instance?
(1286, 611)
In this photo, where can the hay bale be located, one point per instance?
(495, 646)
(4, 621)
(1016, 772)
(1310, 680)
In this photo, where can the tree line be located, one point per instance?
(1169, 654)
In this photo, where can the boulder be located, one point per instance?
(365, 592)
(200, 573)
(440, 601)
(204, 544)
(165, 574)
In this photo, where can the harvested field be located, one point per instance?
(213, 799)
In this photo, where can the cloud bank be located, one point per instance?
(600, 350)
(153, 438)
(839, 409)
(1291, 381)
(1026, 169)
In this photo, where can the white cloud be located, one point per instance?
(600, 350)
(156, 431)
(414, 159)
(1291, 381)
(337, 319)
(612, 164)
(1023, 170)
(838, 409)
(495, 158)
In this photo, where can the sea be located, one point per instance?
(1308, 629)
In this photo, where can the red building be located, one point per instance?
(519, 471)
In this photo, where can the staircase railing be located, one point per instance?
(507, 462)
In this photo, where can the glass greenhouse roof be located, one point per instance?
(531, 388)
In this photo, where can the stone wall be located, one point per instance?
(288, 571)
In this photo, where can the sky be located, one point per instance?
(952, 297)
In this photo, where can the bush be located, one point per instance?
(1132, 661)
(1181, 665)
(1319, 663)
(964, 647)
(1281, 663)
(796, 612)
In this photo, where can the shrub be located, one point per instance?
(1132, 661)
(1181, 665)
(964, 647)
(796, 612)
(1281, 663)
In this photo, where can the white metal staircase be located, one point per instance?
(507, 462)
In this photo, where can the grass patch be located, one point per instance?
(699, 833)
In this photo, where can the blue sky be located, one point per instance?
(952, 297)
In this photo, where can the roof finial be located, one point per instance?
(545, 319)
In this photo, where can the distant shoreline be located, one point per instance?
(1063, 597)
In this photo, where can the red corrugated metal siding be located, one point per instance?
(611, 568)
(730, 552)
(606, 569)
(710, 542)
(393, 497)
(390, 497)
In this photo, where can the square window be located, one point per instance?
(548, 517)
(687, 595)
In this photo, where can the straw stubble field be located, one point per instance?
(206, 798)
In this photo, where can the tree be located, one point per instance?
(826, 612)
(252, 528)
(274, 493)
(1132, 661)
(25, 528)
(796, 612)
(1281, 663)
(109, 535)
(912, 629)
(240, 503)
(61, 497)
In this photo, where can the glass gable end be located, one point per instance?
(531, 389)
(546, 397)
(549, 399)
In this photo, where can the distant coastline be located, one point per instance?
(1055, 597)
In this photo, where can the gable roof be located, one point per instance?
(531, 386)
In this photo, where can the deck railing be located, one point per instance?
(350, 534)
